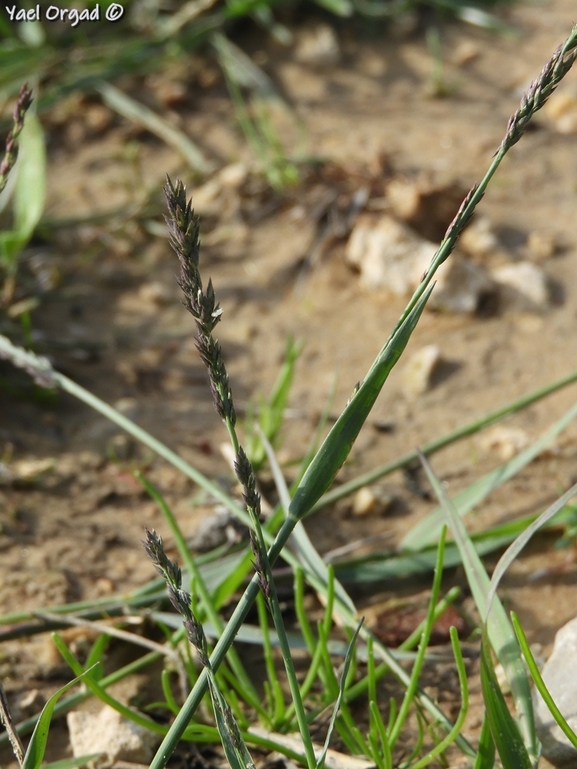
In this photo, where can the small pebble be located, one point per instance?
(525, 285)
(504, 441)
(371, 500)
(419, 370)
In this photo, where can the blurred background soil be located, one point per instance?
(370, 112)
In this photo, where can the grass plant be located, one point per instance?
(221, 700)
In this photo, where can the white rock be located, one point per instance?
(461, 285)
(504, 441)
(391, 256)
(388, 255)
(559, 675)
(525, 285)
(108, 733)
(371, 500)
(420, 368)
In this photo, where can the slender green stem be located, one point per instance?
(411, 690)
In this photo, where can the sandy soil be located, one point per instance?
(112, 318)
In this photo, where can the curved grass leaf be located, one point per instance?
(37, 745)
(515, 548)
(426, 531)
(540, 684)
(499, 629)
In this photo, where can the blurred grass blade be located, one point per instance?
(29, 191)
(540, 684)
(141, 115)
(338, 7)
(37, 745)
(271, 411)
(515, 548)
(241, 69)
(499, 628)
(507, 739)
(427, 530)
(72, 763)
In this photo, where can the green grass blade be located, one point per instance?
(460, 720)
(30, 192)
(499, 628)
(540, 684)
(37, 745)
(506, 736)
(301, 544)
(486, 748)
(426, 531)
(141, 115)
(365, 479)
(515, 548)
(71, 763)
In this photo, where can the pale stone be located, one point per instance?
(426, 204)
(110, 734)
(233, 175)
(504, 441)
(156, 293)
(526, 285)
(559, 675)
(461, 285)
(371, 500)
(420, 368)
(390, 256)
(465, 52)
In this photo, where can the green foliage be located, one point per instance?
(37, 744)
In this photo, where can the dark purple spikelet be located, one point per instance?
(179, 598)
(184, 231)
(245, 474)
(540, 90)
